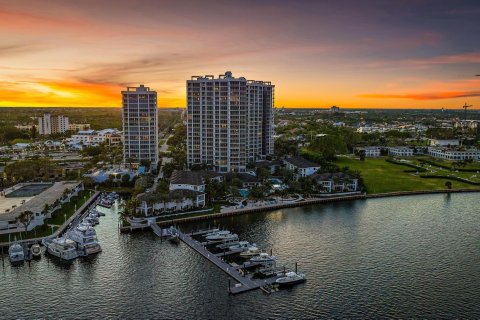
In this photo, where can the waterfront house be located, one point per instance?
(175, 201)
(301, 166)
(335, 182)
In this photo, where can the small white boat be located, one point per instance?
(63, 248)
(36, 251)
(86, 239)
(222, 237)
(263, 258)
(291, 278)
(250, 253)
(16, 253)
(217, 232)
(242, 246)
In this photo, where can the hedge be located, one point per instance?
(418, 168)
(427, 176)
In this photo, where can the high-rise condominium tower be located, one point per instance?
(140, 125)
(229, 120)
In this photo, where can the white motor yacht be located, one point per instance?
(263, 257)
(63, 248)
(16, 253)
(250, 253)
(86, 239)
(291, 278)
(242, 246)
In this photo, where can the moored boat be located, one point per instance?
(263, 258)
(290, 279)
(86, 240)
(250, 253)
(222, 237)
(242, 246)
(36, 251)
(16, 253)
(63, 248)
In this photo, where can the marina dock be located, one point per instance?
(244, 284)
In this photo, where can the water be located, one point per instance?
(390, 258)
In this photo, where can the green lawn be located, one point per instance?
(68, 209)
(380, 176)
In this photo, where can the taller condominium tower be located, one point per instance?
(229, 120)
(140, 125)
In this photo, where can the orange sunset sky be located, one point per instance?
(373, 54)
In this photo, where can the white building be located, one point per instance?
(335, 182)
(444, 142)
(370, 152)
(400, 152)
(50, 124)
(140, 125)
(176, 200)
(301, 166)
(454, 154)
(79, 126)
(229, 121)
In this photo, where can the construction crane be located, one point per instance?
(466, 106)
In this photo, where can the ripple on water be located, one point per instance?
(391, 258)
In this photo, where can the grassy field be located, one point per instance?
(380, 176)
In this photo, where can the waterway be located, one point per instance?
(404, 257)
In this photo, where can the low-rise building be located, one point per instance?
(400, 151)
(444, 142)
(454, 154)
(301, 167)
(248, 180)
(335, 182)
(370, 152)
(79, 126)
(174, 201)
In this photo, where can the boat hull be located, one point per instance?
(290, 283)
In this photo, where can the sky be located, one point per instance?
(354, 54)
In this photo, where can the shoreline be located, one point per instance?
(306, 202)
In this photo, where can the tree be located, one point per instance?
(125, 179)
(328, 146)
(448, 184)
(361, 154)
(257, 193)
(25, 218)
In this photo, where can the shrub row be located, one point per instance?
(418, 168)
(433, 163)
(428, 176)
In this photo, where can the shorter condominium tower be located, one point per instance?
(229, 121)
(50, 124)
(140, 125)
